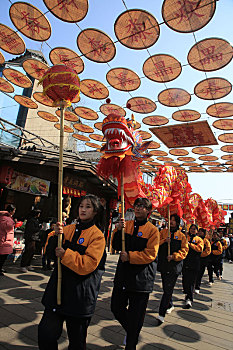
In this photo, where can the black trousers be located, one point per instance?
(3, 258)
(29, 251)
(129, 308)
(50, 330)
(213, 267)
(168, 281)
(189, 277)
(220, 265)
(230, 253)
(203, 264)
(46, 261)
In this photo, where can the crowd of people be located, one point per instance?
(82, 255)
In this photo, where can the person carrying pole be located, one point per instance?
(191, 264)
(82, 261)
(136, 269)
(170, 265)
(215, 257)
(224, 248)
(204, 260)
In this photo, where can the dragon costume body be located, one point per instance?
(123, 152)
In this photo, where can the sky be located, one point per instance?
(101, 15)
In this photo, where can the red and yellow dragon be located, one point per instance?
(122, 154)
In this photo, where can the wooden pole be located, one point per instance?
(123, 211)
(169, 231)
(60, 186)
(185, 229)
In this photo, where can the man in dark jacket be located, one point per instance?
(135, 273)
(31, 235)
(170, 265)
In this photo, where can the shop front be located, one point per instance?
(28, 179)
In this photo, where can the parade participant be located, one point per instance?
(136, 269)
(204, 260)
(226, 237)
(222, 256)
(191, 264)
(31, 235)
(215, 256)
(7, 225)
(82, 262)
(170, 266)
(230, 248)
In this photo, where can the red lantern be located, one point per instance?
(61, 84)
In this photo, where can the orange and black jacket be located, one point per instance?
(223, 243)
(196, 246)
(142, 244)
(178, 249)
(216, 249)
(82, 270)
(207, 248)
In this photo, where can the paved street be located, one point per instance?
(207, 326)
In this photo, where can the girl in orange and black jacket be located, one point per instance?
(204, 260)
(191, 264)
(136, 269)
(170, 266)
(82, 262)
(224, 248)
(215, 257)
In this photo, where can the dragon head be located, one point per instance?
(118, 133)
